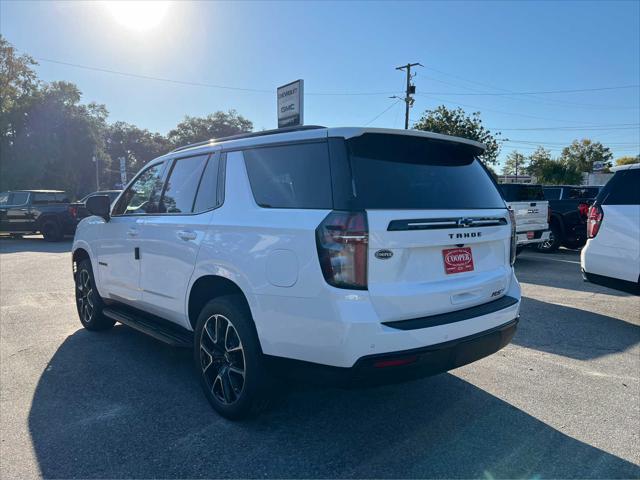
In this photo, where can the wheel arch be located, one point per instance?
(209, 287)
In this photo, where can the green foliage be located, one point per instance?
(628, 160)
(514, 164)
(48, 138)
(582, 154)
(215, 125)
(552, 172)
(458, 123)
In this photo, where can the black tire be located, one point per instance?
(554, 242)
(88, 301)
(229, 360)
(574, 244)
(51, 231)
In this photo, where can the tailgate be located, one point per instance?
(530, 215)
(425, 262)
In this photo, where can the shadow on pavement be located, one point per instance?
(118, 404)
(572, 332)
(33, 244)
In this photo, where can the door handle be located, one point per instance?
(187, 235)
(132, 232)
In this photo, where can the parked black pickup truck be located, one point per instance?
(79, 209)
(32, 211)
(569, 206)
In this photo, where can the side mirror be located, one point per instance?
(99, 205)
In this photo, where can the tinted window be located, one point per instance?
(4, 198)
(40, 198)
(208, 190)
(522, 193)
(404, 172)
(292, 176)
(182, 184)
(552, 193)
(142, 196)
(19, 198)
(622, 189)
(582, 192)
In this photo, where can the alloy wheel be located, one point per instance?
(84, 296)
(222, 359)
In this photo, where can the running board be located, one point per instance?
(156, 327)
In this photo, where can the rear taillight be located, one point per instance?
(512, 252)
(343, 240)
(583, 210)
(73, 211)
(594, 220)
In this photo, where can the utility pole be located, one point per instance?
(411, 89)
(95, 160)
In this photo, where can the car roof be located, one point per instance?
(625, 167)
(313, 132)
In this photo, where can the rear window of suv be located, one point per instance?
(622, 189)
(522, 193)
(409, 172)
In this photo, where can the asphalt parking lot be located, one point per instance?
(562, 401)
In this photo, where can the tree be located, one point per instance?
(136, 145)
(537, 160)
(628, 160)
(458, 123)
(582, 154)
(215, 125)
(514, 164)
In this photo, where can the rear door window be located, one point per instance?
(291, 176)
(43, 198)
(182, 185)
(407, 172)
(622, 189)
(578, 193)
(208, 195)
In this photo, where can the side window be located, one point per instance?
(292, 176)
(208, 191)
(19, 198)
(142, 196)
(552, 193)
(182, 184)
(43, 198)
(623, 188)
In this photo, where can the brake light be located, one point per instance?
(583, 210)
(594, 220)
(73, 211)
(343, 240)
(512, 252)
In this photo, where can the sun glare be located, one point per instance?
(138, 15)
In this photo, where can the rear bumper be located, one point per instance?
(538, 237)
(400, 366)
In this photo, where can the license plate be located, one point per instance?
(457, 260)
(530, 235)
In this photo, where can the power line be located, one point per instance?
(383, 112)
(201, 84)
(541, 92)
(621, 126)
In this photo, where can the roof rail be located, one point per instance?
(249, 135)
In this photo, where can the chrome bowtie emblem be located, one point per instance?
(464, 222)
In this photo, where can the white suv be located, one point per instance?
(611, 256)
(350, 254)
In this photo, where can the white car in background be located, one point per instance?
(612, 254)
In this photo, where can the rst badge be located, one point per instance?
(457, 260)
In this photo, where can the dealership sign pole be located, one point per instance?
(291, 104)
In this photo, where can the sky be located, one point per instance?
(481, 56)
